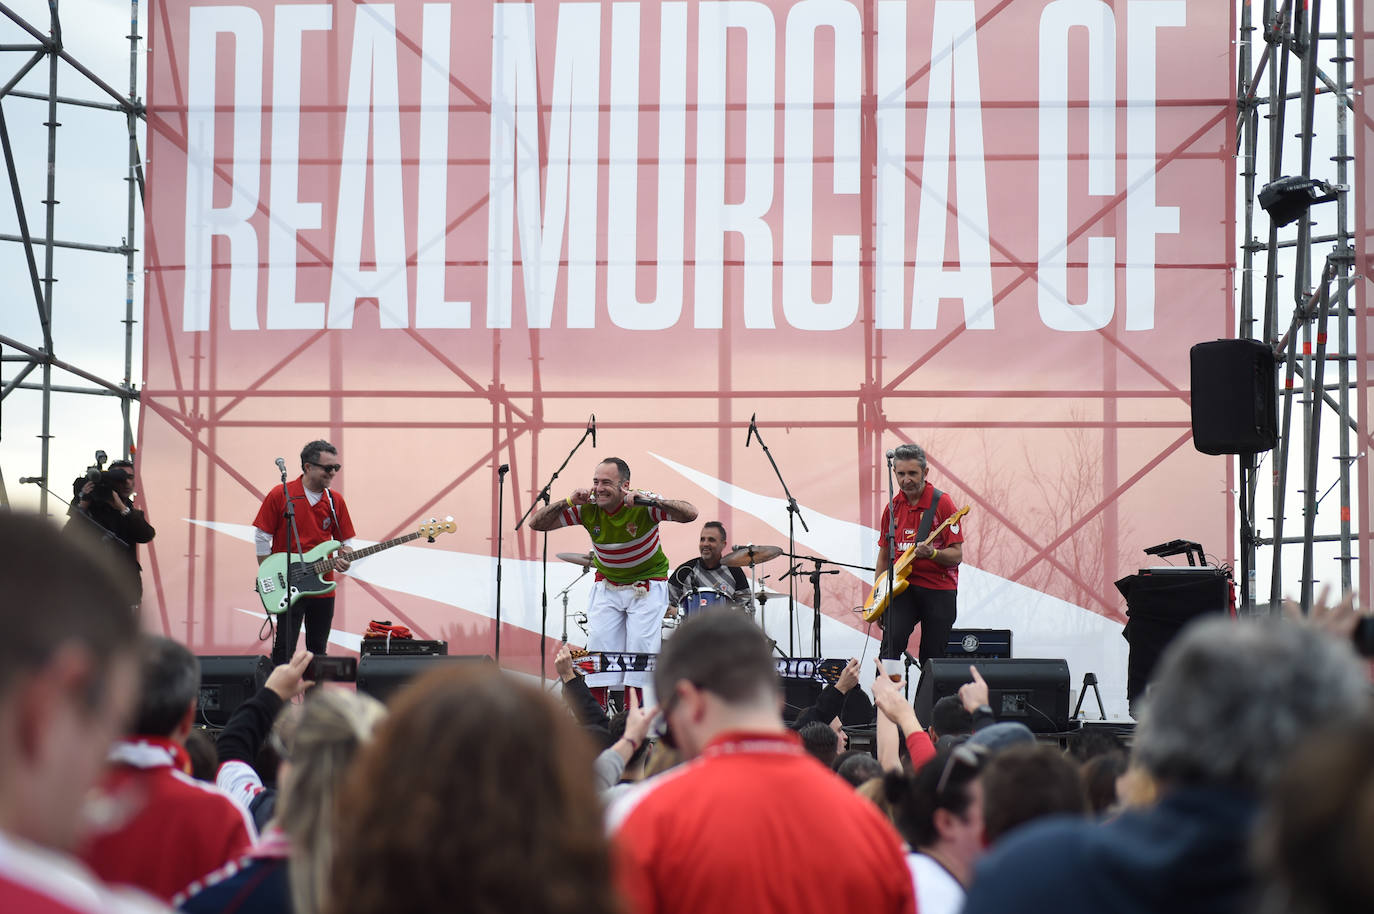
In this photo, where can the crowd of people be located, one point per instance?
(1246, 785)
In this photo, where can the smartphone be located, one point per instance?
(335, 669)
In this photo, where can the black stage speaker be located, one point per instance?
(227, 681)
(798, 695)
(1235, 397)
(1159, 603)
(1032, 692)
(379, 675)
(987, 643)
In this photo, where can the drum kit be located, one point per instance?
(699, 598)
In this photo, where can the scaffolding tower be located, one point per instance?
(1317, 372)
(25, 357)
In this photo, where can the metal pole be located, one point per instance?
(50, 204)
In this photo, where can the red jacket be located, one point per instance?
(158, 828)
(36, 880)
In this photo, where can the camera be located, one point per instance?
(106, 482)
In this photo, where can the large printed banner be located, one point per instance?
(444, 236)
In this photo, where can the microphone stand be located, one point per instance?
(544, 588)
(891, 550)
(793, 514)
(500, 512)
(815, 577)
(295, 536)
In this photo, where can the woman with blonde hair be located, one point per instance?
(288, 871)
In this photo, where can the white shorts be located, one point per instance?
(625, 618)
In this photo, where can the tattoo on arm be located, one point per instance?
(680, 511)
(546, 518)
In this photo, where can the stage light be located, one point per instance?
(1287, 199)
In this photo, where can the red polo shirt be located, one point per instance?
(752, 826)
(315, 522)
(925, 573)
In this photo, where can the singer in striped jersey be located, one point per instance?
(630, 594)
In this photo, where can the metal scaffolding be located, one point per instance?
(41, 355)
(1322, 268)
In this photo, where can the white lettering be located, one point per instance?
(373, 101)
(1144, 220)
(432, 310)
(798, 293)
(889, 200)
(715, 217)
(204, 220)
(622, 181)
(288, 214)
(954, 107)
(1053, 274)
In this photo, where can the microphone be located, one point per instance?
(281, 465)
(591, 427)
(891, 454)
(34, 479)
(752, 431)
(503, 469)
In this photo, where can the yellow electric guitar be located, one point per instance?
(889, 586)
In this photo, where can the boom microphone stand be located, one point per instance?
(793, 514)
(544, 560)
(500, 512)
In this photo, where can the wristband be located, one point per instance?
(569, 501)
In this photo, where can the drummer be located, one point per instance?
(707, 574)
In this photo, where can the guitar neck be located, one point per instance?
(327, 564)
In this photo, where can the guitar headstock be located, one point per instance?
(957, 516)
(432, 529)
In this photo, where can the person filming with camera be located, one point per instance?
(104, 508)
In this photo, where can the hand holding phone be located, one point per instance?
(332, 669)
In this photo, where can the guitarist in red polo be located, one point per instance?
(933, 574)
(321, 515)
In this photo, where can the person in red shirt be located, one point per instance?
(933, 579)
(321, 516)
(154, 827)
(751, 823)
(68, 678)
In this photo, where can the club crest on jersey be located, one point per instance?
(954, 528)
(325, 524)
(632, 529)
(596, 531)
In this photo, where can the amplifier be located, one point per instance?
(227, 681)
(979, 643)
(380, 675)
(1034, 692)
(407, 646)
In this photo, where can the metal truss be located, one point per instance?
(1322, 273)
(40, 355)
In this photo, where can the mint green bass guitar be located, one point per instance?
(285, 577)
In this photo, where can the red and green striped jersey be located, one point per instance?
(625, 544)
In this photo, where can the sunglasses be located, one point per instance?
(971, 754)
(327, 467)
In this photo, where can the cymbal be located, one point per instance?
(744, 556)
(577, 558)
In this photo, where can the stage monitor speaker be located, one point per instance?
(1158, 606)
(1234, 397)
(227, 681)
(976, 643)
(380, 675)
(797, 696)
(1032, 692)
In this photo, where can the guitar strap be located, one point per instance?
(927, 516)
(330, 498)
